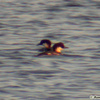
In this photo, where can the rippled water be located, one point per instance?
(73, 76)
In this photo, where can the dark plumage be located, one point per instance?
(60, 44)
(46, 43)
(56, 50)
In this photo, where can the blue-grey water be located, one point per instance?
(72, 76)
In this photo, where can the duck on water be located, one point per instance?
(55, 50)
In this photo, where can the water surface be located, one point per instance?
(74, 75)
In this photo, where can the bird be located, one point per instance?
(56, 50)
(47, 45)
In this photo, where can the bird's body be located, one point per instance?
(47, 45)
(56, 50)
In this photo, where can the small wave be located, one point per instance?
(96, 69)
(54, 9)
(38, 22)
(38, 72)
(74, 5)
(75, 56)
(3, 91)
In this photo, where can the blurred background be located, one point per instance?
(74, 75)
